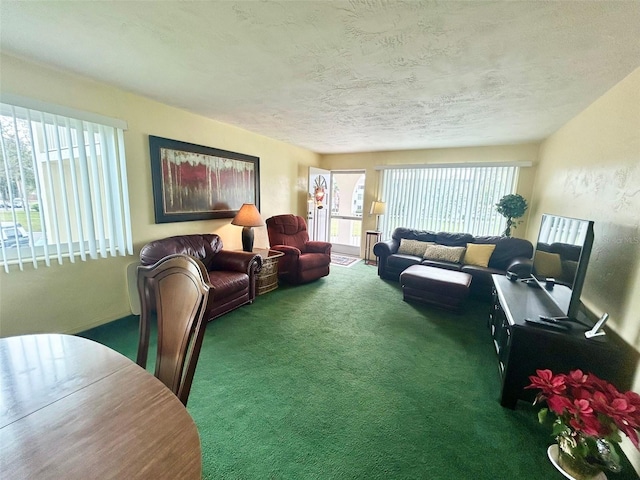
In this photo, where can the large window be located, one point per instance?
(63, 186)
(443, 198)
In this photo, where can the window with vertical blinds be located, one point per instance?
(63, 186)
(446, 198)
(563, 230)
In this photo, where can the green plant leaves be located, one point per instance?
(512, 206)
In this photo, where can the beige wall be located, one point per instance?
(590, 169)
(73, 297)
(368, 162)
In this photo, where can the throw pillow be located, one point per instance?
(443, 253)
(547, 264)
(413, 247)
(478, 254)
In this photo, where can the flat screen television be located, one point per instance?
(561, 258)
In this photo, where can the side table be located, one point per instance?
(268, 276)
(371, 238)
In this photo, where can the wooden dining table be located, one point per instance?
(71, 408)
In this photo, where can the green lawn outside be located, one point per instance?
(7, 216)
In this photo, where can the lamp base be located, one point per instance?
(247, 239)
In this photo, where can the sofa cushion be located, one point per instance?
(440, 264)
(413, 247)
(444, 253)
(482, 282)
(478, 254)
(507, 248)
(228, 284)
(399, 262)
(547, 264)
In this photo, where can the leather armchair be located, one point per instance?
(303, 260)
(232, 275)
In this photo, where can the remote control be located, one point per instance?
(543, 323)
(552, 319)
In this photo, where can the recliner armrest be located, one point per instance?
(287, 250)
(315, 246)
(287, 262)
(235, 261)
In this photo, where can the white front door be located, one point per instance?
(318, 204)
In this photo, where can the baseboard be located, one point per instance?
(95, 324)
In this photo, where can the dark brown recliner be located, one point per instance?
(303, 260)
(232, 274)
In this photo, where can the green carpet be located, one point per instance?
(341, 379)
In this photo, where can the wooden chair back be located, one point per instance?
(175, 291)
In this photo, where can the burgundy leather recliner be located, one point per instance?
(232, 274)
(303, 260)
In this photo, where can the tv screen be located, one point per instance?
(562, 254)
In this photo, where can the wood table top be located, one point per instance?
(73, 408)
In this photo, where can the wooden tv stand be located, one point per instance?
(523, 348)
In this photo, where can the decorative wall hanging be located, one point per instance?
(319, 191)
(193, 182)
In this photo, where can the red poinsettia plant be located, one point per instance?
(590, 414)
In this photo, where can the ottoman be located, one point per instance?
(437, 286)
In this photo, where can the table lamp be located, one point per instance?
(377, 209)
(247, 217)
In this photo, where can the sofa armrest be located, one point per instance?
(236, 261)
(318, 247)
(521, 266)
(386, 248)
(383, 250)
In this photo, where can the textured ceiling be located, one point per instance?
(346, 76)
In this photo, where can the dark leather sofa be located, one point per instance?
(232, 274)
(510, 254)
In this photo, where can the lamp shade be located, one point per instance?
(248, 216)
(377, 208)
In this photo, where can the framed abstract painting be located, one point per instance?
(194, 182)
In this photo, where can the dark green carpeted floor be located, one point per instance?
(341, 379)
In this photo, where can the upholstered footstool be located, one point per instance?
(445, 288)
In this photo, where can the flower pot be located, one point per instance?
(572, 468)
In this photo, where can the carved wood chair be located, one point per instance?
(175, 289)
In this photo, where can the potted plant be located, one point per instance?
(511, 206)
(589, 415)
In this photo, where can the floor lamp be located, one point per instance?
(377, 209)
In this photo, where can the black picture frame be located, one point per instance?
(194, 182)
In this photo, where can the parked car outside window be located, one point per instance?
(13, 235)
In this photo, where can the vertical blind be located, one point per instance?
(63, 187)
(446, 198)
(563, 230)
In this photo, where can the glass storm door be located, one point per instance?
(346, 206)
